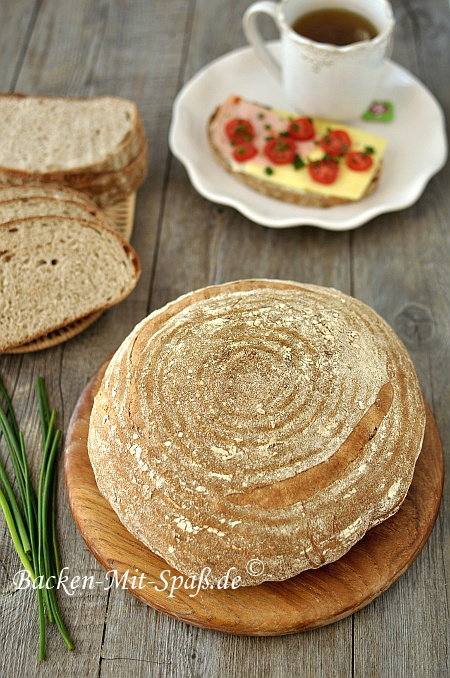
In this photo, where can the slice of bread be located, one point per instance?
(95, 145)
(35, 200)
(44, 190)
(112, 187)
(55, 270)
(104, 188)
(21, 208)
(47, 135)
(292, 182)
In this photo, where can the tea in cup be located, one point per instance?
(332, 52)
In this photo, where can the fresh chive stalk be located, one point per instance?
(19, 520)
(10, 524)
(31, 517)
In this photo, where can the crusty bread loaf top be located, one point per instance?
(44, 134)
(54, 270)
(257, 419)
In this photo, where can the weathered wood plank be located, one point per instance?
(81, 49)
(401, 269)
(211, 244)
(17, 20)
(398, 264)
(21, 372)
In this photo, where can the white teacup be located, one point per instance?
(319, 79)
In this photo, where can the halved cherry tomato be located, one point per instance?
(301, 129)
(281, 150)
(358, 161)
(335, 142)
(324, 171)
(238, 130)
(244, 151)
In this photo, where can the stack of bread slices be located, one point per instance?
(61, 160)
(59, 262)
(97, 145)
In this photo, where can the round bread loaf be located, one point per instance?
(258, 419)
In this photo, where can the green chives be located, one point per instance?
(30, 517)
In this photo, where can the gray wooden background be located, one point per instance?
(398, 263)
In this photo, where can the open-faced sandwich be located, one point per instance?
(302, 160)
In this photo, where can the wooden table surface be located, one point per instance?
(398, 263)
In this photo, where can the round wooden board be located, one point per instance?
(312, 599)
(120, 217)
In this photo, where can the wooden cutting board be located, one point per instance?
(313, 598)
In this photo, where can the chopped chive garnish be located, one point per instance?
(298, 162)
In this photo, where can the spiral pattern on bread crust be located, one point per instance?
(257, 419)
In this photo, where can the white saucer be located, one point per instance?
(417, 146)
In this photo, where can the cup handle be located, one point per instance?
(390, 46)
(254, 37)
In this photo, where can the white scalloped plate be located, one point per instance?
(417, 146)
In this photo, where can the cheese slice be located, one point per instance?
(350, 184)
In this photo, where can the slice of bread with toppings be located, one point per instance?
(301, 160)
